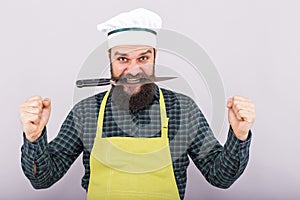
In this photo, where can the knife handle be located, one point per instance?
(92, 82)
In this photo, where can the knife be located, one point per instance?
(107, 81)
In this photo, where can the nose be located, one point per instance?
(134, 69)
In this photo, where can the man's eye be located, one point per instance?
(123, 59)
(143, 58)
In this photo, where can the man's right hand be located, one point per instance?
(34, 115)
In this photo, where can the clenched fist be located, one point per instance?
(34, 115)
(241, 116)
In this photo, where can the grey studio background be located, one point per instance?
(254, 45)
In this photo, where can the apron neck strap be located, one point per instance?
(164, 120)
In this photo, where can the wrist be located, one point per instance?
(33, 137)
(240, 134)
(242, 137)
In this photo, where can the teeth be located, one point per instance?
(133, 80)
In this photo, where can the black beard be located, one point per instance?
(134, 102)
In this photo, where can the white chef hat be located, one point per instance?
(136, 27)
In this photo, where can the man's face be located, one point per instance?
(132, 64)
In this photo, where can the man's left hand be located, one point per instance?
(241, 116)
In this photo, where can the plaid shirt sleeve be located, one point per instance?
(55, 158)
(221, 166)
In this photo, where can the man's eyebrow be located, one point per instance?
(120, 54)
(117, 53)
(146, 52)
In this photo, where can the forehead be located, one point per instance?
(131, 49)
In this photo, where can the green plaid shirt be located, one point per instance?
(189, 135)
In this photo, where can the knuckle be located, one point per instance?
(233, 102)
(244, 99)
(238, 107)
(236, 101)
(36, 103)
(37, 97)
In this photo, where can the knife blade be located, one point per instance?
(107, 81)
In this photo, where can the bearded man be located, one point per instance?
(136, 138)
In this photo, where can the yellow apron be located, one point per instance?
(123, 168)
